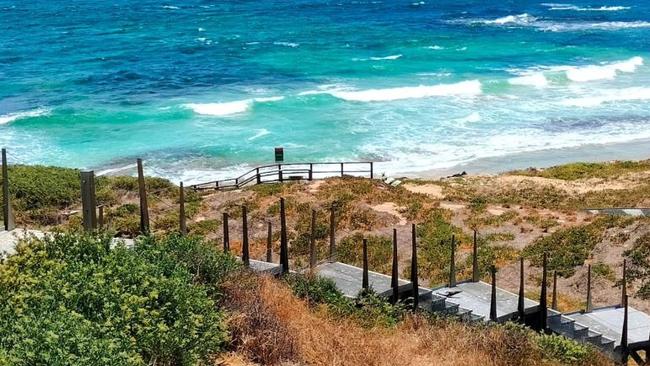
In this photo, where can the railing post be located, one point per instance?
(394, 280)
(554, 296)
(414, 268)
(475, 276)
(284, 249)
(543, 307)
(332, 234)
(226, 235)
(312, 241)
(521, 310)
(589, 307)
(257, 172)
(245, 250)
(493, 295)
(280, 173)
(269, 243)
(452, 263)
(144, 206)
(311, 171)
(372, 172)
(364, 279)
(88, 201)
(341, 170)
(181, 210)
(7, 214)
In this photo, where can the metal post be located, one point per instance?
(394, 280)
(100, 217)
(624, 285)
(414, 268)
(475, 275)
(543, 307)
(88, 201)
(372, 172)
(181, 210)
(590, 306)
(144, 206)
(625, 352)
(269, 243)
(554, 298)
(364, 279)
(521, 310)
(312, 241)
(245, 256)
(332, 234)
(493, 297)
(452, 263)
(226, 234)
(284, 250)
(257, 174)
(280, 173)
(7, 214)
(311, 171)
(341, 169)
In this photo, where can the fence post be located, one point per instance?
(521, 310)
(624, 289)
(372, 172)
(245, 250)
(341, 170)
(311, 171)
(589, 308)
(144, 207)
(475, 276)
(625, 352)
(226, 235)
(414, 268)
(332, 233)
(269, 243)
(181, 210)
(364, 279)
(7, 214)
(493, 295)
(543, 307)
(452, 264)
(100, 217)
(284, 249)
(88, 201)
(280, 173)
(312, 241)
(257, 172)
(394, 280)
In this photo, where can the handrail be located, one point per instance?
(287, 171)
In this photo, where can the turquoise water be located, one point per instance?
(203, 89)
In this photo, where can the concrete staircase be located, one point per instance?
(568, 327)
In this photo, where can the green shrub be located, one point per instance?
(566, 351)
(380, 252)
(576, 171)
(70, 300)
(639, 265)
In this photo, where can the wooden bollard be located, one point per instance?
(364, 279)
(226, 234)
(554, 296)
(493, 294)
(284, 249)
(521, 310)
(475, 274)
(589, 307)
(414, 268)
(88, 200)
(332, 234)
(452, 263)
(394, 280)
(312, 241)
(181, 210)
(269, 243)
(245, 255)
(543, 307)
(144, 206)
(7, 214)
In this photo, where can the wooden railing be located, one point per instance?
(288, 172)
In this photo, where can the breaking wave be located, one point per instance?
(465, 88)
(228, 108)
(11, 117)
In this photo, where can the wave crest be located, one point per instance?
(11, 117)
(464, 88)
(228, 108)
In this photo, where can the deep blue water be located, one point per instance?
(204, 88)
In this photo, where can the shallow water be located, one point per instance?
(204, 89)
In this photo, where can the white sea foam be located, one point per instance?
(260, 133)
(435, 47)
(537, 80)
(228, 108)
(553, 6)
(11, 117)
(609, 96)
(519, 19)
(112, 171)
(527, 20)
(391, 57)
(465, 88)
(287, 44)
(603, 72)
(170, 7)
(472, 118)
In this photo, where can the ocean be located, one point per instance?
(206, 89)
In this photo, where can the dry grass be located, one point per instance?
(272, 326)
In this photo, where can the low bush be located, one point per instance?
(639, 265)
(380, 252)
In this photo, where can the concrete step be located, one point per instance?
(607, 345)
(464, 314)
(593, 338)
(580, 332)
(476, 318)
